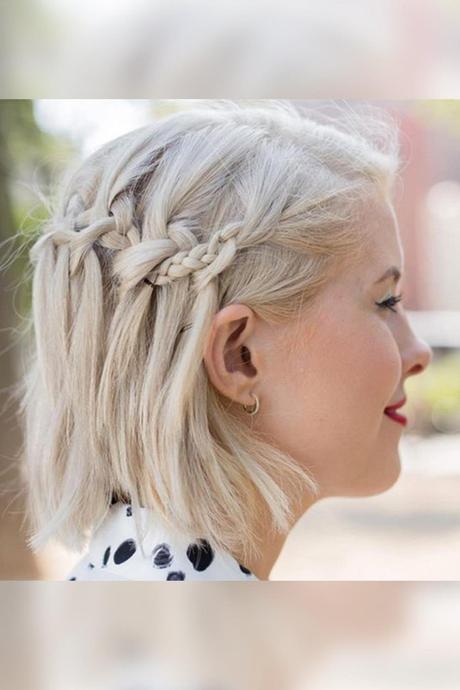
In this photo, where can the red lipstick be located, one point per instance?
(390, 411)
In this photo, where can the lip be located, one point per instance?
(390, 412)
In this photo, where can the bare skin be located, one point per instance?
(323, 382)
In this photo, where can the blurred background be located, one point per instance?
(230, 636)
(411, 532)
(230, 48)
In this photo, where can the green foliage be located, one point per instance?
(29, 162)
(440, 384)
(443, 113)
(436, 393)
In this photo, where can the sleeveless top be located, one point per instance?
(114, 554)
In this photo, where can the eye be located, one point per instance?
(390, 302)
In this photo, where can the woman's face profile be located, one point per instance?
(324, 381)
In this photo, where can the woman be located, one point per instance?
(218, 341)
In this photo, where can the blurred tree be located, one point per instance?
(23, 147)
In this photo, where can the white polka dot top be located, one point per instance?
(114, 554)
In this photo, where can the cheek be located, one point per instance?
(324, 401)
(378, 366)
(346, 377)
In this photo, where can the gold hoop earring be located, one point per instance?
(255, 408)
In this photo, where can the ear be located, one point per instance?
(229, 362)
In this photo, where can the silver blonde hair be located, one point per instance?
(151, 236)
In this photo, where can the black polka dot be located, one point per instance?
(244, 570)
(124, 551)
(200, 554)
(176, 575)
(90, 565)
(162, 557)
(72, 578)
(129, 511)
(106, 556)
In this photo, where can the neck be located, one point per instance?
(271, 542)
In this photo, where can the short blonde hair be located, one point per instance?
(154, 233)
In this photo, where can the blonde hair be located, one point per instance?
(151, 236)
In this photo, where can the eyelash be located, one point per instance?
(390, 303)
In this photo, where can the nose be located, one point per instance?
(417, 355)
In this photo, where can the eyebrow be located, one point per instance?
(390, 272)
